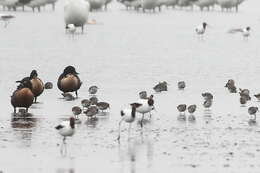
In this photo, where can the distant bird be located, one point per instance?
(252, 111)
(76, 12)
(207, 96)
(23, 95)
(93, 100)
(207, 103)
(161, 86)
(103, 106)
(182, 108)
(85, 103)
(37, 84)
(201, 29)
(245, 31)
(231, 86)
(192, 109)
(93, 90)
(69, 80)
(143, 95)
(91, 112)
(181, 85)
(66, 129)
(6, 18)
(48, 85)
(68, 96)
(128, 116)
(145, 106)
(71, 28)
(257, 96)
(76, 111)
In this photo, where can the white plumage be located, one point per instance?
(200, 30)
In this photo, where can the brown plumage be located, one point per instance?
(69, 80)
(22, 96)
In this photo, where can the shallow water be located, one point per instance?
(125, 53)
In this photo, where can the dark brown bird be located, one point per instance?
(93, 100)
(69, 80)
(37, 84)
(23, 95)
(182, 108)
(103, 106)
(91, 111)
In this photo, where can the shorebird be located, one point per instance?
(231, 86)
(128, 116)
(103, 106)
(207, 103)
(201, 29)
(191, 110)
(182, 108)
(85, 103)
(76, 111)
(245, 31)
(6, 18)
(243, 100)
(181, 85)
(245, 93)
(93, 100)
(93, 90)
(48, 85)
(23, 95)
(252, 111)
(91, 112)
(257, 96)
(143, 95)
(161, 86)
(66, 129)
(207, 96)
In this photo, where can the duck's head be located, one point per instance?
(70, 70)
(33, 74)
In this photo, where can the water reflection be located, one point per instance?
(136, 154)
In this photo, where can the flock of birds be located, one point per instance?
(30, 88)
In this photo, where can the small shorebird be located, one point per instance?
(48, 85)
(143, 95)
(93, 90)
(128, 116)
(207, 104)
(243, 100)
(91, 112)
(76, 111)
(257, 96)
(182, 108)
(245, 32)
(230, 85)
(207, 96)
(252, 111)
(201, 29)
(161, 86)
(103, 106)
(181, 85)
(66, 128)
(85, 103)
(191, 110)
(93, 100)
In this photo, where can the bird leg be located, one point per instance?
(35, 99)
(118, 138)
(129, 130)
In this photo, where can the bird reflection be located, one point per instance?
(137, 152)
(92, 122)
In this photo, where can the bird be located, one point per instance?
(71, 28)
(48, 85)
(69, 81)
(181, 85)
(37, 84)
(146, 106)
(245, 31)
(201, 29)
(93, 90)
(182, 108)
(243, 100)
(230, 85)
(6, 18)
(128, 116)
(161, 86)
(66, 129)
(252, 111)
(143, 95)
(191, 110)
(245, 93)
(23, 95)
(207, 104)
(207, 96)
(257, 96)
(93, 100)
(103, 106)
(76, 111)
(91, 111)
(76, 12)
(68, 96)
(85, 103)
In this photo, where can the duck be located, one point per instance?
(128, 116)
(69, 80)
(85, 103)
(23, 95)
(37, 84)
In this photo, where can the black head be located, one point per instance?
(204, 24)
(248, 28)
(70, 70)
(33, 74)
(25, 83)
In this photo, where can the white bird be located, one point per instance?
(245, 32)
(66, 128)
(146, 106)
(71, 28)
(6, 18)
(201, 29)
(128, 116)
(76, 13)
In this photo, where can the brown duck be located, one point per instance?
(69, 81)
(23, 95)
(37, 84)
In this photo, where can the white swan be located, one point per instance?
(76, 12)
